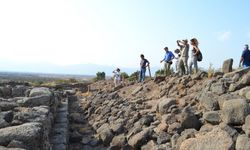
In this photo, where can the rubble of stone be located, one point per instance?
(191, 112)
(187, 113)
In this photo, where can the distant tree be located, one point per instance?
(124, 75)
(100, 76)
(72, 80)
(134, 76)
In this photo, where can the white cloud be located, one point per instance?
(224, 36)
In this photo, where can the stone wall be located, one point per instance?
(26, 116)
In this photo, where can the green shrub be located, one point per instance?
(100, 76)
(134, 76)
(210, 71)
(124, 75)
(159, 72)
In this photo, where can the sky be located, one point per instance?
(116, 32)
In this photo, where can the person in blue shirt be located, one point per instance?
(144, 64)
(169, 56)
(245, 57)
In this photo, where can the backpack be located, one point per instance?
(199, 56)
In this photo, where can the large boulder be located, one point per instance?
(106, 135)
(217, 139)
(242, 143)
(240, 72)
(245, 81)
(188, 119)
(35, 101)
(19, 91)
(36, 114)
(6, 105)
(218, 88)
(164, 105)
(235, 111)
(209, 101)
(31, 134)
(227, 66)
(39, 91)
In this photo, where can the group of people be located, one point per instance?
(182, 65)
(182, 53)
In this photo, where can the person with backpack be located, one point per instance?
(169, 56)
(184, 50)
(196, 55)
(143, 64)
(117, 77)
(245, 57)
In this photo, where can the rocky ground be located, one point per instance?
(187, 113)
(192, 112)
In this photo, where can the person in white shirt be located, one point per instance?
(117, 77)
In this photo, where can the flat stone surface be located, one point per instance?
(62, 109)
(59, 147)
(59, 131)
(61, 120)
(58, 139)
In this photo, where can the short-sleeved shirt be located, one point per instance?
(144, 63)
(168, 56)
(246, 57)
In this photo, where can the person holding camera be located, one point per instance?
(184, 50)
(168, 59)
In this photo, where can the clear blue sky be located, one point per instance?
(116, 32)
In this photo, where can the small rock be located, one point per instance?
(164, 105)
(212, 117)
(151, 145)
(140, 138)
(106, 136)
(118, 142)
(137, 90)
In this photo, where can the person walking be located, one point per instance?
(117, 77)
(194, 58)
(143, 64)
(169, 56)
(184, 50)
(245, 57)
